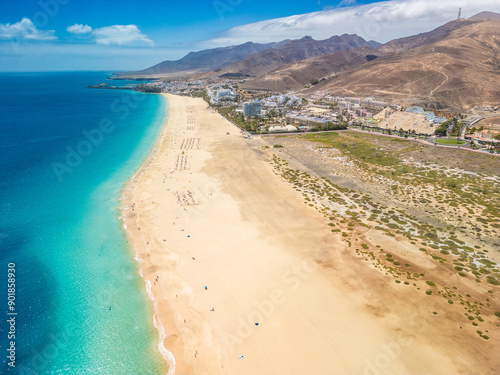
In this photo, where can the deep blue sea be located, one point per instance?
(66, 153)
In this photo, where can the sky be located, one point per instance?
(117, 35)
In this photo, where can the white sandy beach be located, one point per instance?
(207, 210)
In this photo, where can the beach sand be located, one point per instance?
(206, 210)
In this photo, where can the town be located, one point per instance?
(265, 112)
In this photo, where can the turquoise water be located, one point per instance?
(66, 153)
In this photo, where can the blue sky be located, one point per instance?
(40, 35)
(188, 20)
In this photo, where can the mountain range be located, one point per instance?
(249, 59)
(202, 61)
(456, 65)
(293, 50)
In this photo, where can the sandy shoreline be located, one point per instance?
(206, 209)
(130, 225)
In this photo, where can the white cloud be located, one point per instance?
(79, 29)
(25, 29)
(381, 21)
(120, 35)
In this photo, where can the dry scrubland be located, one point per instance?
(425, 217)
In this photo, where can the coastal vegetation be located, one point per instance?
(405, 190)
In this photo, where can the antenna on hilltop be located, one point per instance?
(459, 13)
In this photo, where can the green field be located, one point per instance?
(449, 142)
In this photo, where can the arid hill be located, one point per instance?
(459, 71)
(296, 75)
(486, 16)
(439, 33)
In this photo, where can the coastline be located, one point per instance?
(233, 261)
(131, 228)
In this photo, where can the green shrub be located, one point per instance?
(430, 235)
(431, 283)
(492, 280)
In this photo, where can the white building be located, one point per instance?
(278, 128)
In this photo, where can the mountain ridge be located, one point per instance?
(204, 60)
(294, 50)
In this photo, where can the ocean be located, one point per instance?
(77, 302)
